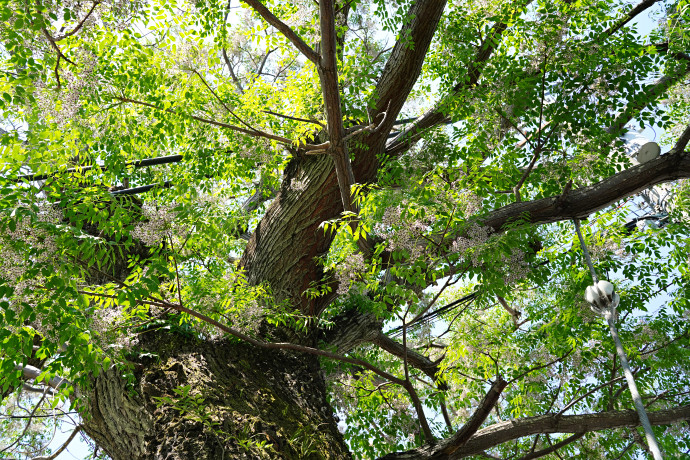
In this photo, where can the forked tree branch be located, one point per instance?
(499, 433)
(81, 23)
(284, 29)
(437, 114)
(447, 447)
(553, 447)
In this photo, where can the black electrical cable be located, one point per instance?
(434, 314)
(136, 164)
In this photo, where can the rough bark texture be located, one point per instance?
(252, 403)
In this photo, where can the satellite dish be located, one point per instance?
(648, 152)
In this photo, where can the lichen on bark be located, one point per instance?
(242, 402)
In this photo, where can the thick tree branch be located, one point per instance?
(31, 372)
(502, 432)
(437, 115)
(328, 73)
(587, 200)
(417, 360)
(284, 29)
(405, 62)
(639, 8)
(447, 447)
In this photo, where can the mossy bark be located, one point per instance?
(242, 402)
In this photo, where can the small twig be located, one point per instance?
(55, 46)
(55, 454)
(79, 26)
(288, 117)
(236, 80)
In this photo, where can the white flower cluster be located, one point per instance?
(469, 203)
(161, 223)
(475, 236)
(514, 266)
(349, 271)
(13, 264)
(62, 107)
(106, 322)
(399, 234)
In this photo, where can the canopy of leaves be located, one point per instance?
(504, 104)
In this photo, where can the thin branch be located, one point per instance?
(580, 398)
(81, 24)
(250, 132)
(263, 61)
(236, 80)
(647, 95)
(203, 80)
(259, 343)
(288, 117)
(28, 423)
(284, 29)
(55, 454)
(553, 447)
(517, 128)
(437, 114)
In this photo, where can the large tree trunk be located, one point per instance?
(243, 402)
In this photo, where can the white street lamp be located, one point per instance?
(603, 300)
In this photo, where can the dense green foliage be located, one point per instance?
(534, 98)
